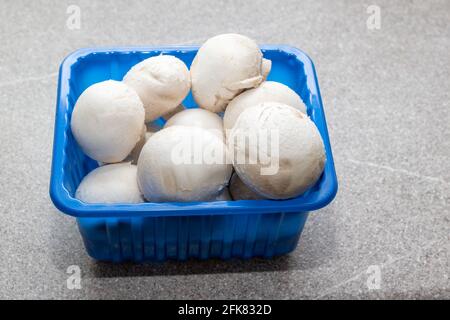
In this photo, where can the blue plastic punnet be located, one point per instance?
(202, 230)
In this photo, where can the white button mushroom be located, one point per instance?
(199, 118)
(240, 191)
(162, 82)
(294, 156)
(224, 66)
(107, 121)
(266, 92)
(113, 183)
(183, 164)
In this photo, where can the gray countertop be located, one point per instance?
(386, 94)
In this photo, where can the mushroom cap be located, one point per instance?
(267, 91)
(223, 67)
(162, 82)
(199, 118)
(107, 121)
(293, 159)
(173, 166)
(112, 183)
(240, 191)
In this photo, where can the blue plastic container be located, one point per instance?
(161, 231)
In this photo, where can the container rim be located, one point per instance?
(71, 206)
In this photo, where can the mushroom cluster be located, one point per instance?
(249, 139)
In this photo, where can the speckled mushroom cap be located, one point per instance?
(171, 168)
(266, 92)
(224, 66)
(162, 82)
(107, 121)
(301, 154)
(113, 183)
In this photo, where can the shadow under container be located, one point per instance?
(203, 230)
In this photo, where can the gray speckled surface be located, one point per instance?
(387, 98)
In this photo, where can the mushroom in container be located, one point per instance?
(226, 65)
(181, 163)
(112, 183)
(285, 136)
(107, 121)
(266, 92)
(162, 83)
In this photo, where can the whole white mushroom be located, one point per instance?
(183, 164)
(294, 156)
(162, 82)
(112, 183)
(224, 66)
(199, 118)
(107, 121)
(266, 92)
(240, 191)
